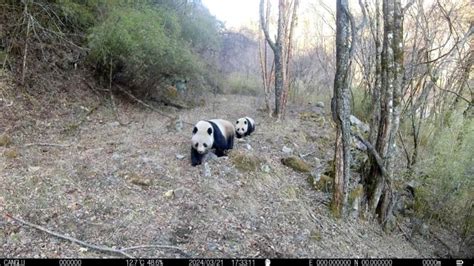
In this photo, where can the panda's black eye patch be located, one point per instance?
(205, 145)
(195, 130)
(245, 122)
(237, 122)
(196, 145)
(209, 130)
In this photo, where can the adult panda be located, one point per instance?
(244, 126)
(215, 134)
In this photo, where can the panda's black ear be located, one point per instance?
(209, 130)
(237, 122)
(195, 130)
(245, 122)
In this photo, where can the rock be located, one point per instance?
(320, 104)
(315, 235)
(117, 157)
(317, 162)
(359, 124)
(245, 161)
(315, 174)
(424, 229)
(114, 124)
(411, 187)
(210, 156)
(11, 153)
(33, 169)
(5, 140)
(138, 180)
(286, 150)
(179, 156)
(179, 124)
(355, 196)
(169, 194)
(322, 183)
(296, 164)
(265, 168)
(248, 147)
(207, 170)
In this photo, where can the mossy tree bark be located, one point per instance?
(341, 109)
(378, 182)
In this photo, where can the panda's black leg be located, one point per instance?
(196, 158)
(230, 144)
(219, 152)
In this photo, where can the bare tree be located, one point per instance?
(263, 54)
(378, 184)
(280, 47)
(341, 109)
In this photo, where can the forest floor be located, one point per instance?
(109, 183)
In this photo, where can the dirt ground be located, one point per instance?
(128, 185)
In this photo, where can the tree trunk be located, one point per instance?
(378, 184)
(375, 118)
(280, 50)
(289, 49)
(266, 76)
(341, 107)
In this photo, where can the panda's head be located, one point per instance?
(203, 137)
(241, 126)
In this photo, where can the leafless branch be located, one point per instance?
(407, 6)
(72, 239)
(264, 26)
(151, 246)
(47, 144)
(372, 150)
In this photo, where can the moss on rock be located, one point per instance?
(5, 140)
(324, 184)
(296, 164)
(245, 161)
(11, 153)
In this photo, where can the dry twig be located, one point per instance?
(72, 239)
(47, 144)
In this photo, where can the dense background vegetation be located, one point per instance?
(145, 45)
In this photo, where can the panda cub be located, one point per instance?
(244, 126)
(215, 134)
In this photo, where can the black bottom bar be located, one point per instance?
(235, 262)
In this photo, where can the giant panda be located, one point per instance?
(215, 134)
(244, 126)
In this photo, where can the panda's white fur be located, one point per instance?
(215, 134)
(244, 126)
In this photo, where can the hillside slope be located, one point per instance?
(107, 184)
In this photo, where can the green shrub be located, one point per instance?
(143, 45)
(446, 171)
(77, 14)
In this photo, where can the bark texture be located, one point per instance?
(341, 109)
(281, 48)
(378, 182)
